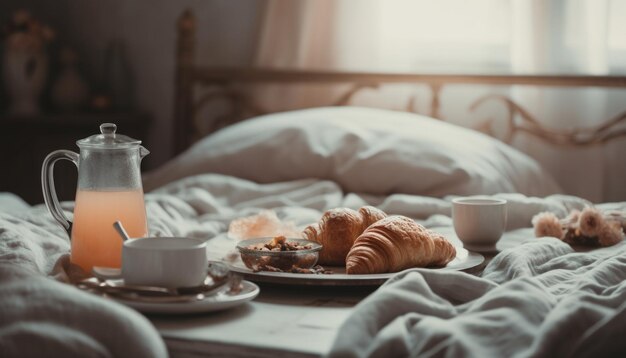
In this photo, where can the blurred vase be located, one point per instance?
(70, 91)
(25, 71)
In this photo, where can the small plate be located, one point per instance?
(217, 302)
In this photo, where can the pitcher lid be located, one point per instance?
(108, 139)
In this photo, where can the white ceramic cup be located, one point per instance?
(164, 261)
(479, 221)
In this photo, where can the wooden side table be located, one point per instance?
(26, 141)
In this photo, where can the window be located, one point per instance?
(445, 35)
(556, 36)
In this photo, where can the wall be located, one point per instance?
(226, 36)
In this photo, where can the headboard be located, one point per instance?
(222, 83)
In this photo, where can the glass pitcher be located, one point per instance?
(109, 189)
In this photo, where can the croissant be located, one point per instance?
(397, 243)
(337, 230)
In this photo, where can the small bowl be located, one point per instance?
(283, 260)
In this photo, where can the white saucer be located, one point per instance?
(217, 302)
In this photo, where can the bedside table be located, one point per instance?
(26, 141)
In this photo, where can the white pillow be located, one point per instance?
(365, 151)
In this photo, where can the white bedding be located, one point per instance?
(364, 150)
(40, 316)
(457, 310)
(539, 299)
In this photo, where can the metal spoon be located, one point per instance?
(120, 230)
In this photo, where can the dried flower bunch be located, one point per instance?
(25, 33)
(589, 227)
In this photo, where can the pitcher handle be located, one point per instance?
(47, 184)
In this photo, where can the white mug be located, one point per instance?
(164, 261)
(479, 221)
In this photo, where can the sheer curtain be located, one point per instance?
(320, 35)
(572, 37)
(323, 34)
(479, 36)
(522, 36)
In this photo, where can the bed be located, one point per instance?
(536, 297)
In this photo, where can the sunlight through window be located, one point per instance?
(445, 35)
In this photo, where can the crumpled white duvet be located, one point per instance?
(540, 299)
(521, 306)
(42, 317)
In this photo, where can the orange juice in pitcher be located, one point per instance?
(94, 241)
(109, 190)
